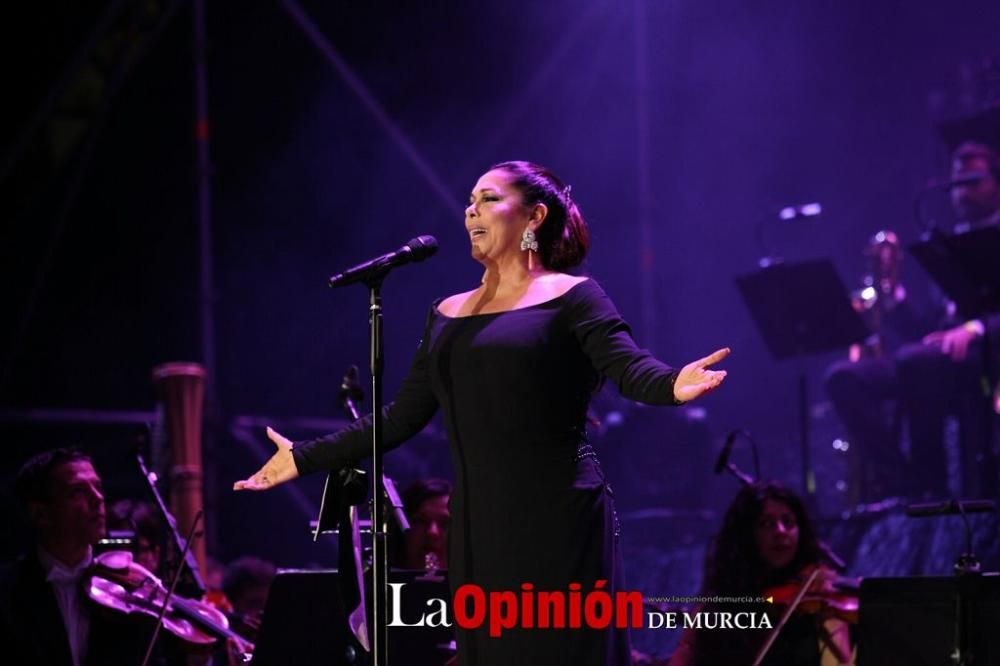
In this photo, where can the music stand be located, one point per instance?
(966, 266)
(799, 309)
(918, 621)
(343, 492)
(305, 622)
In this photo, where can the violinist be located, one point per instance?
(953, 370)
(767, 542)
(45, 615)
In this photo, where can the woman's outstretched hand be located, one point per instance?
(280, 468)
(695, 380)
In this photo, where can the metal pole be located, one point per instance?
(380, 571)
(204, 205)
(808, 475)
(647, 302)
(206, 265)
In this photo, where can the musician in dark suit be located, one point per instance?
(863, 387)
(943, 373)
(46, 618)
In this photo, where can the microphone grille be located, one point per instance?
(422, 247)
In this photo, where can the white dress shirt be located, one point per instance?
(70, 598)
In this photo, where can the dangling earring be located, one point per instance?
(529, 241)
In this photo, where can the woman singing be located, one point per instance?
(512, 365)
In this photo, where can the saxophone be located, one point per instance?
(881, 291)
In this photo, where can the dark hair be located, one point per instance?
(413, 496)
(34, 480)
(244, 573)
(137, 516)
(422, 490)
(563, 239)
(733, 564)
(972, 149)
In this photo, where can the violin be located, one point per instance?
(829, 595)
(120, 584)
(815, 592)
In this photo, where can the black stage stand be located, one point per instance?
(933, 620)
(193, 584)
(966, 266)
(380, 558)
(802, 309)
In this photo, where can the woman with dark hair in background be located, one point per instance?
(512, 365)
(767, 541)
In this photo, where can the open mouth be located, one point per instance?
(476, 232)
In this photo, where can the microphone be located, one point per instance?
(417, 249)
(720, 462)
(350, 393)
(950, 507)
(970, 178)
(836, 560)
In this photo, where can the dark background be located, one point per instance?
(682, 126)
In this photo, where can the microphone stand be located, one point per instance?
(966, 567)
(183, 546)
(373, 276)
(173, 586)
(967, 575)
(380, 562)
(743, 477)
(350, 394)
(724, 463)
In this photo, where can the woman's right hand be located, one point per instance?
(279, 469)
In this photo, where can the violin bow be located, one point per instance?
(784, 618)
(173, 585)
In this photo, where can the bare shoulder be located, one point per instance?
(451, 306)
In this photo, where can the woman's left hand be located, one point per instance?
(695, 380)
(279, 469)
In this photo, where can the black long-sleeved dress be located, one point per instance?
(531, 503)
